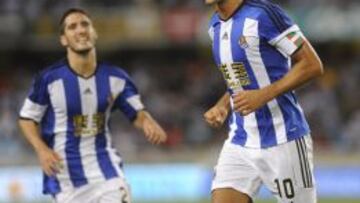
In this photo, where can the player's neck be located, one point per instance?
(227, 8)
(83, 64)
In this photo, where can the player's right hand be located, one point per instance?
(216, 116)
(50, 161)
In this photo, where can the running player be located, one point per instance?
(263, 56)
(66, 116)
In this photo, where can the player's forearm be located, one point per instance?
(140, 119)
(32, 134)
(224, 101)
(306, 67)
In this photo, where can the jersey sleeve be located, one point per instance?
(280, 31)
(128, 99)
(36, 103)
(211, 33)
(213, 21)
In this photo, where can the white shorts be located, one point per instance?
(286, 170)
(115, 190)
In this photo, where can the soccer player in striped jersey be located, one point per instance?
(263, 57)
(66, 116)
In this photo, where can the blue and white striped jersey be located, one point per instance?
(253, 49)
(74, 114)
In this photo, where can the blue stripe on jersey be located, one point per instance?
(48, 124)
(103, 96)
(263, 115)
(51, 183)
(272, 13)
(38, 92)
(72, 151)
(275, 63)
(240, 134)
(295, 123)
(280, 14)
(266, 127)
(216, 44)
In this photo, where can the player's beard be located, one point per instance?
(82, 52)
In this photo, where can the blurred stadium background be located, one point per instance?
(165, 47)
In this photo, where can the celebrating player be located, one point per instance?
(254, 43)
(66, 116)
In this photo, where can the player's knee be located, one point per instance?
(225, 195)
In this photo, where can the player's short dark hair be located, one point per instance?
(67, 13)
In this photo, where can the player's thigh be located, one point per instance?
(76, 195)
(234, 170)
(116, 196)
(120, 192)
(223, 195)
(289, 171)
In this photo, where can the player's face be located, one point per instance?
(210, 2)
(79, 33)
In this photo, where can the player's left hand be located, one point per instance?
(248, 101)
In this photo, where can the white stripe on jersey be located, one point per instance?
(58, 99)
(225, 42)
(135, 102)
(33, 110)
(252, 130)
(226, 58)
(233, 126)
(253, 54)
(87, 147)
(250, 122)
(117, 85)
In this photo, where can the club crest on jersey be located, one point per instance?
(243, 43)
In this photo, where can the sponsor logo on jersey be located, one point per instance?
(89, 125)
(235, 75)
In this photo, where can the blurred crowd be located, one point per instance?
(162, 21)
(170, 61)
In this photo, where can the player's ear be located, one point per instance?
(63, 40)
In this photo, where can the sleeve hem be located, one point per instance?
(28, 119)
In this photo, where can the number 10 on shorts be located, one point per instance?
(285, 187)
